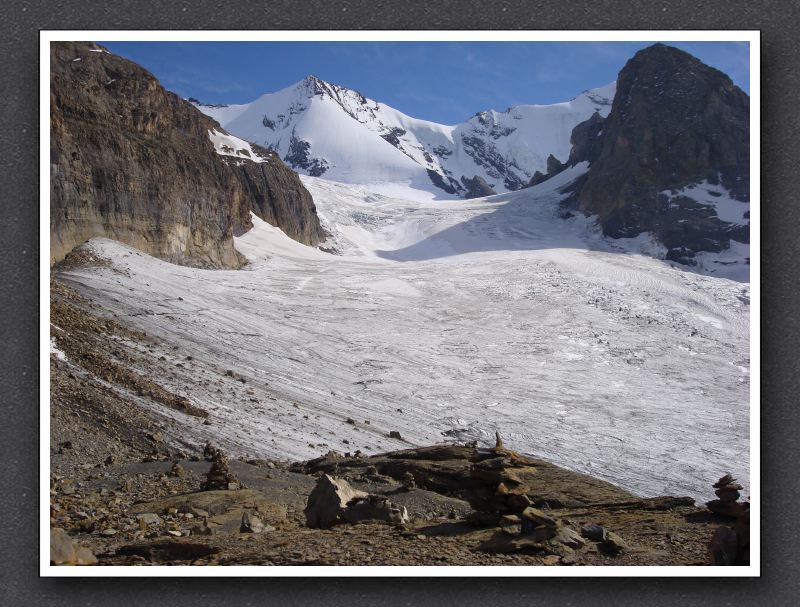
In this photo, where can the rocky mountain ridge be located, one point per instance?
(672, 158)
(327, 130)
(134, 162)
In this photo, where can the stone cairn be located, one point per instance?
(499, 480)
(220, 476)
(730, 545)
(727, 491)
(497, 483)
(209, 451)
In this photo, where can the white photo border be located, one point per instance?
(752, 37)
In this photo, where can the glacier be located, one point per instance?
(448, 320)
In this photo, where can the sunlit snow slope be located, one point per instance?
(447, 321)
(326, 130)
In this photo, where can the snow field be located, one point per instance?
(448, 321)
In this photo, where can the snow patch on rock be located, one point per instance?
(55, 351)
(228, 145)
(727, 208)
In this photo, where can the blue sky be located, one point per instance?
(445, 82)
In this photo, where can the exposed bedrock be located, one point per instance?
(134, 162)
(675, 122)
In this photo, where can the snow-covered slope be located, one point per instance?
(322, 129)
(447, 321)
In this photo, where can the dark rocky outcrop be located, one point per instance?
(393, 135)
(586, 141)
(586, 145)
(484, 154)
(451, 187)
(674, 122)
(554, 167)
(477, 187)
(134, 162)
(298, 156)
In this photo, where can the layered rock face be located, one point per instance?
(586, 143)
(675, 124)
(134, 162)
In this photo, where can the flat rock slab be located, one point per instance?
(225, 508)
(168, 551)
(277, 485)
(65, 551)
(446, 469)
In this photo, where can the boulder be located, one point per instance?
(374, 507)
(539, 533)
(149, 518)
(612, 544)
(252, 524)
(477, 187)
(569, 537)
(328, 500)
(533, 517)
(334, 500)
(506, 543)
(64, 551)
(596, 533)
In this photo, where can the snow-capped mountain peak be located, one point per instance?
(323, 129)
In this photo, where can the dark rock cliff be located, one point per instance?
(134, 162)
(675, 122)
(586, 141)
(477, 187)
(586, 145)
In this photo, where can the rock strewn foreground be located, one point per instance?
(127, 488)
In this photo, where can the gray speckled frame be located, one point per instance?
(19, 244)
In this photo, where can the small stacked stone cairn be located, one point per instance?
(727, 491)
(409, 482)
(730, 545)
(209, 451)
(220, 476)
(498, 485)
(370, 475)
